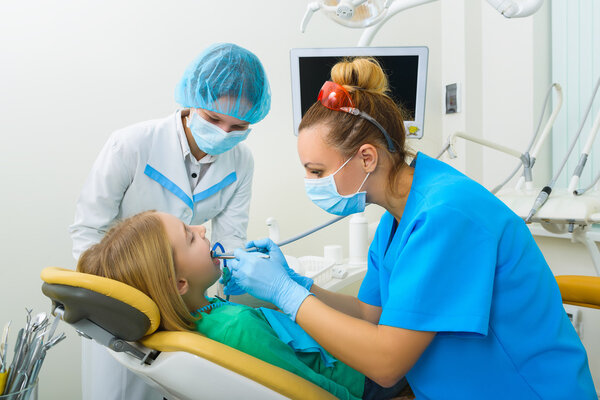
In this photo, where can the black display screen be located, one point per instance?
(402, 73)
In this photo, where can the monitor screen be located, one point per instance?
(405, 67)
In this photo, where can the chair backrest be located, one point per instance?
(580, 290)
(119, 308)
(107, 311)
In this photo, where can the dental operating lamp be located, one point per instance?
(372, 14)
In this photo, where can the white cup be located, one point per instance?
(333, 253)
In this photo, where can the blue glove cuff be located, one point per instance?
(304, 281)
(290, 302)
(231, 288)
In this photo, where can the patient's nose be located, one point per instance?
(200, 229)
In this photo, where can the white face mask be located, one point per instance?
(323, 192)
(210, 138)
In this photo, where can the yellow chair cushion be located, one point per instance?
(107, 287)
(275, 378)
(580, 290)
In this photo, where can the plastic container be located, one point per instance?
(29, 393)
(333, 252)
(317, 268)
(358, 239)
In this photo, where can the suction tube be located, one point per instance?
(543, 196)
(528, 158)
(230, 255)
(587, 149)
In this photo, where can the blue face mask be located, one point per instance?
(323, 192)
(210, 138)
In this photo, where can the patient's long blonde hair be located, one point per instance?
(137, 252)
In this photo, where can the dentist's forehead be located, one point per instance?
(313, 149)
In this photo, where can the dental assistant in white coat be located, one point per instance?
(190, 164)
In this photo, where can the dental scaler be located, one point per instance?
(229, 256)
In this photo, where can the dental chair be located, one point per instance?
(181, 365)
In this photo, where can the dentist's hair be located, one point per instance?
(367, 84)
(137, 252)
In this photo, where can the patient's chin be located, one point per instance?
(216, 277)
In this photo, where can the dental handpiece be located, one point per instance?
(539, 202)
(229, 256)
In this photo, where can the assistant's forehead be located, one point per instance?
(232, 107)
(225, 117)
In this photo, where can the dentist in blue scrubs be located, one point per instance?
(457, 297)
(190, 164)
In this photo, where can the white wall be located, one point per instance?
(71, 72)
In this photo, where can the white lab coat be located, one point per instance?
(141, 168)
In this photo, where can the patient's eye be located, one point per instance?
(190, 233)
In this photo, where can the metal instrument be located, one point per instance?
(3, 347)
(33, 341)
(230, 256)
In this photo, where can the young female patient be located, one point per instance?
(170, 262)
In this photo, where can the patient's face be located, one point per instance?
(191, 253)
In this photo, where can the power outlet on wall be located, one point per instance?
(574, 314)
(453, 98)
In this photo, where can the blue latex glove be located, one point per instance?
(231, 288)
(267, 246)
(267, 280)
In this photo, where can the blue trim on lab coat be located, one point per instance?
(177, 191)
(228, 180)
(169, 185)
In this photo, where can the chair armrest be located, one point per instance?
(580, 290)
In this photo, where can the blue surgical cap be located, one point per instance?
(226, 79)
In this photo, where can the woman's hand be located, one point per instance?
(267, 279)
(230, 288)
(267, 246)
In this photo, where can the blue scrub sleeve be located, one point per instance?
(442, 275)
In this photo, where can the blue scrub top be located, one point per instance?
(462, 264)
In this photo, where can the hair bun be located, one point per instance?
(361, 73)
